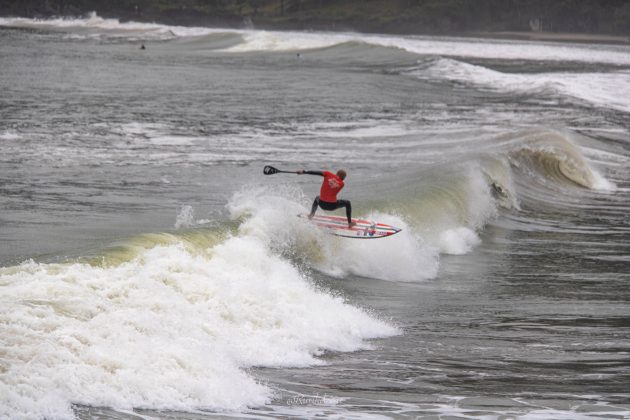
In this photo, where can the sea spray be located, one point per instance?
(185, 217)
(403, 257)
(272, 216)
(458, 241)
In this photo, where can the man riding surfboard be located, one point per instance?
(327, 198)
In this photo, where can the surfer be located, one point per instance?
(327, 198)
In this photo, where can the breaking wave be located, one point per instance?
(174, 320)
(553, 157)
(167, 322)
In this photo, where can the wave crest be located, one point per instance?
(555, 157)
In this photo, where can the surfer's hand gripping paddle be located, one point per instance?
(270, 170)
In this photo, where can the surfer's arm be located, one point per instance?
(302, 171)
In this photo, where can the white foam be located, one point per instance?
(458, 241)
(167, 330)
(9, 135)
(602, 184)
(448, 47)
(287, 41)
(611, 89)
(609, 159)
(509, 50)
(403, 257)
(272, 216)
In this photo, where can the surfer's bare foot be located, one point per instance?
(352, 224)
(310, 217)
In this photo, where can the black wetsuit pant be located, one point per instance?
(325, 205)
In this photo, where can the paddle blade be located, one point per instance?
(269, 170)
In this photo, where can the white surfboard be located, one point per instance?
(364, 229)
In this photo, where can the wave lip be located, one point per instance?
(554, 156)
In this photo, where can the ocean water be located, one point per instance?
(148, 269)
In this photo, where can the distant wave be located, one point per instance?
(253, 40)
(94, 26)
(604, 89)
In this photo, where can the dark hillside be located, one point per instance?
(389, 16)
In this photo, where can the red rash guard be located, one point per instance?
(330, 187)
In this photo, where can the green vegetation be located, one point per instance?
(406, 16)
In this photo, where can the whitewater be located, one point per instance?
(149, 269)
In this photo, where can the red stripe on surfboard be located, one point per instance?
(343, 220)
(370, 233)
(362, 229)
(356, 228)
